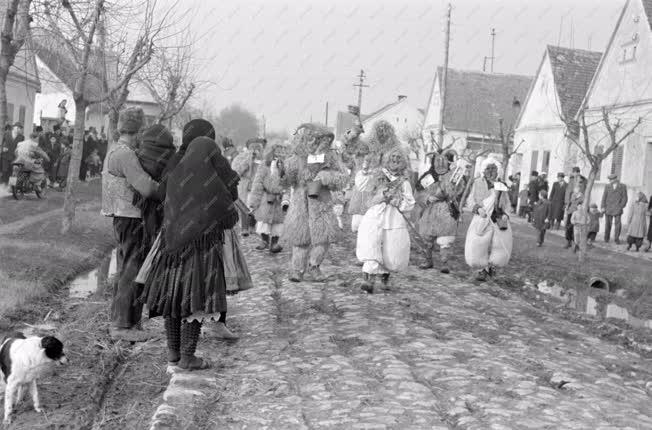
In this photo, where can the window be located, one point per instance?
(628, 53)
(545, 166)
(535, 160)
(21, 115)
(599, 149)
(617, 160)
(10, 113)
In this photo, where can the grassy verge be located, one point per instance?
(36, 259)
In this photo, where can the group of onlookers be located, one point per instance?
(566, 202)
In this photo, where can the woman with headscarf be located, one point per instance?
(186, 283)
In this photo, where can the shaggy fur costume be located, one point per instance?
(267, 186)
(312, 220)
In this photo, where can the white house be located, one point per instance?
(559, 87)
(475, 104)
(406, 119)
(622, 85)
(23, 84)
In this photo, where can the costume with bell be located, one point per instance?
(489, 237)
(313, 171)
(440, 189)
(383, 243)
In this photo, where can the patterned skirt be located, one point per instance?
(189, 284)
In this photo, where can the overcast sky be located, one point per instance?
(286, 59)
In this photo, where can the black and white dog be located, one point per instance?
(22, 361)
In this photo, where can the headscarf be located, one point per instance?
(201, 191)
(155, 150)
(196, 128)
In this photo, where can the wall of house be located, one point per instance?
(626, 81)
(542, 109)
(21, 97)
(406, 119)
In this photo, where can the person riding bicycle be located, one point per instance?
(31, 156)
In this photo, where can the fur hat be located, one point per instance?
(489, 161)
(131, 120)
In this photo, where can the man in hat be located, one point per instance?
(557, 197)
(614, 200)
(122, 175)
(576, 184)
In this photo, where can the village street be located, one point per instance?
(434, 352)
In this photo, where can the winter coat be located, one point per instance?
(436, 219)
(568, 198)
(541, 213)
(557, 198)
(594, 221)
(579, 218)
(312, 220)
(614, 200)
(62, 164)
(246, 169)
(266, 197)
(637, 223)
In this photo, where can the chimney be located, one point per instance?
(401, 98)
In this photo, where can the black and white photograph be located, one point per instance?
(326, 214)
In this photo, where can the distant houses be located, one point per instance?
(476, 102)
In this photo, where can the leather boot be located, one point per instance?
(444, 254)
(173, 334)
(384, 279)
(190, 332)
(368, 283)
(427, 262)
(296, 276)
(314, 275)
(275, 248)
(265, 242)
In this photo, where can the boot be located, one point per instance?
(482, 275)
(264, 244)
(223, 332)
(190, 332)
(275, 248)
(569, 244)
(314, 274)
(427, 262)
(368, 283)
(296, 276)
(173, 334)
(443, 255)
(384, 279)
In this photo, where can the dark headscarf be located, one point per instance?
(155, 150)
(196, 128)
(200, 197)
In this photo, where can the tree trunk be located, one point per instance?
(113, 126)
(587, 202)
(75, 163)
(3, 108)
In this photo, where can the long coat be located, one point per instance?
(557, 198)
(266, 196)
(568, 199)
(637, 224)
(541, 213)
(614, 200)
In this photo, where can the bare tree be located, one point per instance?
(15, 30)
(414, 139)
(171, 80)
(507, 147)
(70, 42)
(614, 132)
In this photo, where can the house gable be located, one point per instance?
(432, 114)
(541, 108)
(405, 118)
(623, 77)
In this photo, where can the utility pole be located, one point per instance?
(444, 78)
(264, 127)
(326, 114)
(493, 43)
(360, 86)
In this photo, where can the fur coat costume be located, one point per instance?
(267, 196)
(312, 220)
(364, 157)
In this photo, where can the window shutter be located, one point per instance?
(10, 113)
(599, 149)
(21, 115)
(617, 160)
(546, 162)
(535, 160)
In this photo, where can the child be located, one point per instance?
(580, 221)
(523, 207)
(383, 239)
(541, 215)
(637, 223)
(594, 223)
(94, 163)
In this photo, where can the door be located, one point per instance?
(647, 175)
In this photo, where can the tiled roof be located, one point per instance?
(476, 100)
(647, 5)
(573, 70)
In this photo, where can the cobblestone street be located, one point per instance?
(434, 352)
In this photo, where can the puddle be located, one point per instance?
(88, 284)
(584, 302)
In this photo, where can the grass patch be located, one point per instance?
(37, 259)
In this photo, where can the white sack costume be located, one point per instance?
(383, 243)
